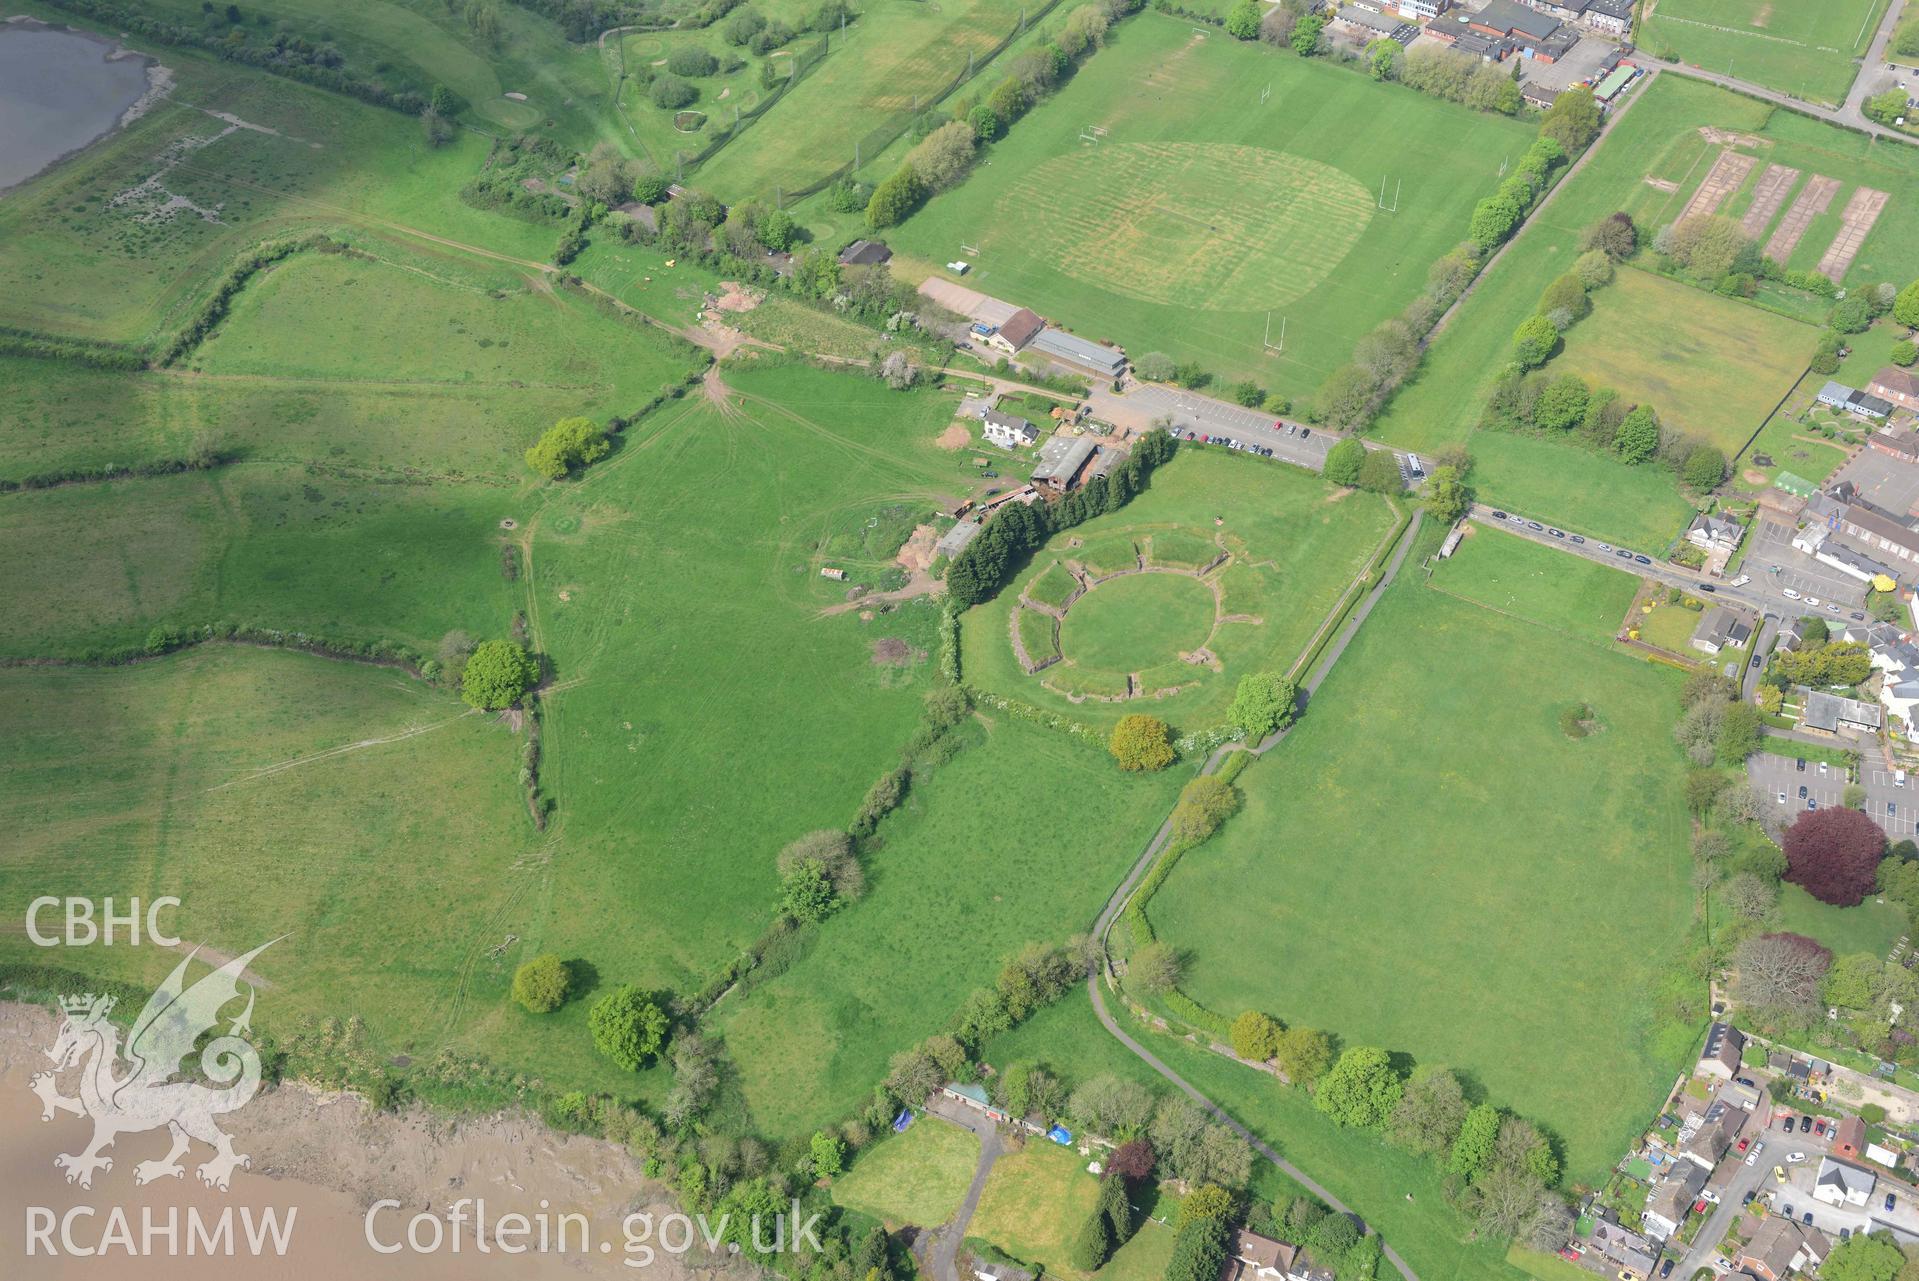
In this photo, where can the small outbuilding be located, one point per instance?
(865, 253)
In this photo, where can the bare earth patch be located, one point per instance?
(894, 652)
(737, 297)
(956, 436)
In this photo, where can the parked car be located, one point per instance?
(1813, 601)
(1742, 1145)
(1789, 593)
(1812, 805)
(1604, 547)
(1845, 1234)
(1782, 798)
(1832, 609)
(1823, 767)
(1577, 539)
(1757, 659)
(1805, 1123)
(1643, 560)
(1707, 587)
(1779, 1176)
(1623, 554)
(1819, 1126)
(1750, 1198)
(1556, 533)
(1536, 526)
(1305, 433)
(1665, 1269)
(1802, 791)
(1800, 764)
(1857, 617)
(1498, 515)
(1890, 1202)
(1806, 1218)
(1752, 1158)
(1794, 1158)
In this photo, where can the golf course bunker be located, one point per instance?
(1138, 622)
(1192, 224)
(59, 90)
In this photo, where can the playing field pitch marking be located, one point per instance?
(1813, 199)
(1724, 178)
(1220, 225)
(1862, 210)
(1767, 196)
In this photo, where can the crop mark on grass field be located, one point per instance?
(1722, 180)
(1814, 197)
(1192, 223)
(1770, 193)
(1862, 210)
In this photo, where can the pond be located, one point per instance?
(58, 92)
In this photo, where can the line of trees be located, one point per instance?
(249, 264)
(1018, 528)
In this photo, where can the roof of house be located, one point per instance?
(1263, 1252)
(1020, 327)
(1774, 1245)
(1071, 347)
(1510, 16)
(1724, 1045)
(995, 418)
(1848, 1178)
(1723, 626)
(1712, 1139)
(1670, 1199)
(1836, 392)
(1850, 1132)
(1876, 406)
(1717, 527)
(1896, 380)
(1838, 549)
(1825, 711)
(1538, 94)
(1615, 1241)
(1061, 458)
(863, 253)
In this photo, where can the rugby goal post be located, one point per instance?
(1392, 207)
(1274, 348)
(1092, 134)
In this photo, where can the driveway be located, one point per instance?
(944, 1256)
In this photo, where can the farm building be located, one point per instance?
(1896, 385)
(954, 540)
(1853, 401)
(1107, 362)
(865, 253)
(1015, 332)
(1722, 628)
(1060, 460)
(1008, 431)
(1831, 715)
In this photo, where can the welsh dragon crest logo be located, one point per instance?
(135, 1090)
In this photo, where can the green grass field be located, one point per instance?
(1202, 208)
(913, 1178)
(810, 1042)
(886, 64)
(1034, 1204)
(1871, 927)
(1429, 831)
(1658, 138)
(1713, 368)
(1295, 545)
(1807, 50)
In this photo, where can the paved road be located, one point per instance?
(1750, 1178)
(944, 1255)
(1117, 903)
(1763, 594)
(1762, 645)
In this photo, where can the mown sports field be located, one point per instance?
(1807, 50)
(1387, 882)
(1225, 184)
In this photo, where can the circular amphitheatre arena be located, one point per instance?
(1119, 619)
(1190, 224)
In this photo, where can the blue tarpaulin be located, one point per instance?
(904, 1119)
(1060, 1134)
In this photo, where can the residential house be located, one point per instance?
(1715, 533)
(1625, 1249)
(1015, 332)
(1668, 1204)
(865, 253)
(1722, 628)
(1714, 1135)
(1008, 431)
(984, 1271)
(1851, 400)
(1253, 1257)
(1901, 443)
(1725, 1048)
(1842, 1184)
(1849, 1137)
(1780, 1247)
(1831, 716)
(974, 1098)
(1538, 95)
(1107, 362)
(1900, 386)
(1060, 460)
